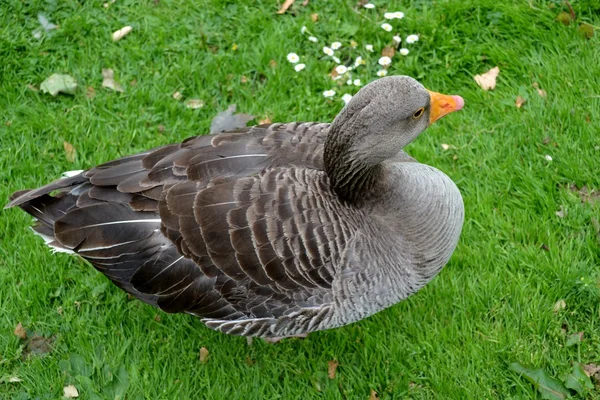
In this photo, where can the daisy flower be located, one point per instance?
(349, 82)
(398, 15)
(384, 61)
(299, 67)
(386, 27)
(369, 47)
(336, 60)
(347, 97)
(357, 82)
(329, 93)
(382, 73)
(397, 39)
(358, 61)
(412, 38)
(336, 45)
(327, 51)
(313, 39)
(404, 51)
(303, 30)
(341, 69)
(293, 58)
(548, 157)
(394, 15)
(369, 6)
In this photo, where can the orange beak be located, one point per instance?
(442, 104)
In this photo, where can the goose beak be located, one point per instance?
(442, 104)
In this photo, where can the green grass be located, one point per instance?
(491, 306)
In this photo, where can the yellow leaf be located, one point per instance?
(520, 101)
(285, 6)
(70, 392)
(121, 33)
(203, 355)
(20, 331)
(70, 151)
(331, 368)
(487, 81)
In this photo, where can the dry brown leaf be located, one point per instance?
(559, 305)
(265, 120)
(388, 51)
(273, 64)
(285, 6)
(541, 92)
(244, 79)
(177, 95)
(487, 80)
(203, 355)
(39, 345)
(585, 194)
(194, 104)
(20, 332)
(32, 88)
(592, 370)
(520, 101)
(121, 33)
(70, 392)
(70, 151)
(373, 395)
(157, 318)
(331, 368)
(108, 80)
(314, 17)
(90, 92)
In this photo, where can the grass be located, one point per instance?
(491, 306)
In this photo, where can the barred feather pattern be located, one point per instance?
(243, 230)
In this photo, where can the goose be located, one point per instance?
(271, 231)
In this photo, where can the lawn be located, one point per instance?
(529, 177)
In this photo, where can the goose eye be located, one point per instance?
(419, 113)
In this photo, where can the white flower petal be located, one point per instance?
(303, 29)
(382, 72)
(337, 60)
(398, 15)
(293, 58)
(404, 51)
(341, 69)
(336, 45)
(358, 61)
(384, 61)
(347, 97)
(299, 67)
(349, 82)
(369, 6)
(548, 157)
(327, 51)
(313, 39)
(329, 93)
(397, 39)
(389, 15)
(369, 47)
(357, 82)
(386, 27)
(412, 39)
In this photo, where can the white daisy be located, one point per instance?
(398, 15)
(293, 58)
(336, 60)
(329, 93)
(357, 82)
(369, 6)
(388, 15)
(412, 38)
(548, 157)
(303, 30)
(347, 97)
(384, 61)
(386, 27)
(369, 47)
(336, 45)
(397, 39)
(358, 61)
(313, 39)
(382, 72)
(341, 69)
(349, 82)
(404, 51)
(327, 51)
(299, 67)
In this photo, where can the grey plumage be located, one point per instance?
(272, 230)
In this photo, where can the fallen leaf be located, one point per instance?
(487, 80)
(177, 95)
(574, 339)
(541, 92)
(578, 380)
(46, 26)
(39, 345)
(203, 355)
(585, 195)
(331, 368)
(586, 31)
(194, 104)
(70, 392)
(121, 33)
(32, 88)
(14, 379)
(265, 120)
(549, 387)
(90, 92)
(157, 318)
(20, 331)
(373, 395)
(273, 63)
(108, 80)
(59, 83)
(520, 101)
(70, 151)
(227, 120)
(561, 213)
(161, 129)
(285, 6)
(388, 51)
(546, 140)
(249, 361)
(244, 79)
(592, 370)
(559, 305)
(314, 17)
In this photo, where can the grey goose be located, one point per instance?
(272, 230)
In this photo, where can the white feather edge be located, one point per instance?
(69, 174)
(48, 241)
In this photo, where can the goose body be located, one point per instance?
(273, 230)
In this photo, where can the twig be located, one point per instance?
(571, 11)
